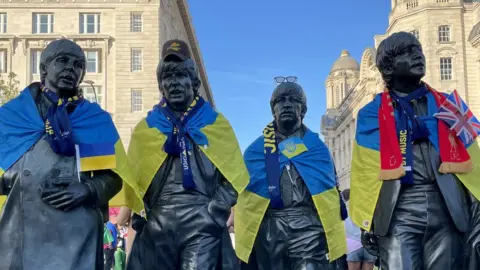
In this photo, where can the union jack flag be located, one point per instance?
(458, 116)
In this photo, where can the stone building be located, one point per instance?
(122, 40)
(449, 31)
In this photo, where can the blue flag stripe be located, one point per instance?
(97, 149)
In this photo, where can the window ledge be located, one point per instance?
(89, 36)
(6, 36)
(447, 42)
(449, 81)
(41, 36)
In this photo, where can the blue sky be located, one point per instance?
(245, 43)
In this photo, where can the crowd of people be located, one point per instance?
(115, 236)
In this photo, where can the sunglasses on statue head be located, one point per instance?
(281, 79)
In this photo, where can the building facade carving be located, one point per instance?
(122, 40)
(449, 31)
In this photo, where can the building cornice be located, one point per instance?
(70, 3)
(90, 40)
(192, 38)
(394, 18)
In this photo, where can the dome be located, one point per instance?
(345, 62)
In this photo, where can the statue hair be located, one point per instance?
(290, 88)
(390, 48)
(57, 48)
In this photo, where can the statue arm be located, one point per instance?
(3, 188)
(103, 185)
(224, 199)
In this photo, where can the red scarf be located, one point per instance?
(453, 154)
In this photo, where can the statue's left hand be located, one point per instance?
(66, 194)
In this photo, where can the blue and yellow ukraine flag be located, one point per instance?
(209, 130)
(365, 183)
(97, 141)
(313, 162)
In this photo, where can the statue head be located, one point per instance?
(177, 75)
(289, 106)
(62, 67)
(401, 61)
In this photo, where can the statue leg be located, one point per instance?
(307, 245)
(443, 243)
(201, 240)
(401, 251)
(402, 247)
(155, 246)
(202, 252)
(271, 244)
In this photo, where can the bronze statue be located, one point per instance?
(291, 211)
(189, 171)
(417, 215)
(57, 200)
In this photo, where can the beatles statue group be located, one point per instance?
(414, 180)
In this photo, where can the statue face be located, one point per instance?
(410, 62)
(64, 73)
(177, 87)
(287, 109)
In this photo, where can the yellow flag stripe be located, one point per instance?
(145, 156)
(365, 185)
(224, 152)
(328, 207)
(471, 180)
(250, 210)
(98, 163)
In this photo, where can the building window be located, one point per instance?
(136, 22)
(412, 4)
(89, 23)
(446, 68)
(92, 61)
(3, 61)
(35, 61)
(137, 100)
(136, 59)
(444, 33)
(416, 34)
(93, 95)
(43, 23)
(3, 23)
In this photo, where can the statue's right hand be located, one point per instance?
(138, 222)
(370, 243)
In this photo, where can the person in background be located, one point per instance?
(109, 249)
(358, 258)
(120, 256)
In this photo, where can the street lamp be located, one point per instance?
(93, 87)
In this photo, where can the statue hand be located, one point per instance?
(370, 243)
(66, 194)
(138, 222)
